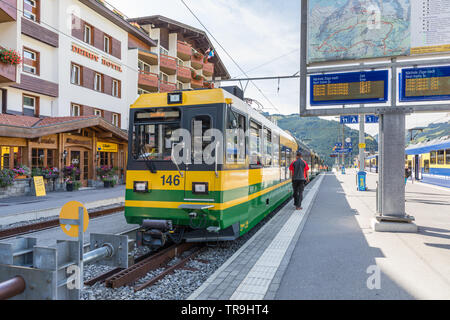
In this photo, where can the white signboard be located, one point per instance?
(363, 29)
(430, 30)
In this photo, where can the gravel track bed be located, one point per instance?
(177, 286)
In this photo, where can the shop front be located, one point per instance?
(63, 150)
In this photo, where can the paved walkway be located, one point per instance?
(254, 272)
(331, 252)
(18, 209)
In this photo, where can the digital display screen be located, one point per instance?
(158, 114)
(425, 84)
(174, 98)
(349, 88)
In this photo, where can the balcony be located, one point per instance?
(8, 10)
(148, 57)
(208, 69)
(184, 74)
(167, 86)
(197, 62)
(196, 84)
(184, 51)
(148, 81)
(7, 73)
(168, 64)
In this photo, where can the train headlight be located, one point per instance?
(141, 186)
(200, 188)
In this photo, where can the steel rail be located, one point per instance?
(40, 226)
(141, 268)
(168, 271)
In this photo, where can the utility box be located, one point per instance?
(361, 181)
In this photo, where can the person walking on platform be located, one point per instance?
(299, 171)
(408, 174)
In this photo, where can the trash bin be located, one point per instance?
(362, 175)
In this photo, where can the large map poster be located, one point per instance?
(363, 29)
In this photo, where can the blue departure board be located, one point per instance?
(349, 88)
(425, 84)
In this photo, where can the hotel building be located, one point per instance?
(84, 64)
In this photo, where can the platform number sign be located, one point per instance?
(350, 119)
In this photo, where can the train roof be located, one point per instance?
(210, 96)
(425, 147)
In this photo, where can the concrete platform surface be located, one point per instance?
(254, 272)
(26, 208)
(339, 256)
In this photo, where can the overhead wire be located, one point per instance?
(229, 55)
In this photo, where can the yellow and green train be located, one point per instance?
(198, 200)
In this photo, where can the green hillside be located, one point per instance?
(321, 135)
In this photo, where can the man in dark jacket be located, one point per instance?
(299, 169)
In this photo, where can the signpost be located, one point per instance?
(393, 31)
(74, 221)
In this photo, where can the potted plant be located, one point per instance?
(69, 184)
(10, 56)
(22, 172)
(50, 173)
(6, 178)
(70, 173)
(36, 172)
(106, 174)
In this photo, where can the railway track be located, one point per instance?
(143, 265)
(43, 225)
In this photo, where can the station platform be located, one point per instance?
(329, 250)
(19, 209)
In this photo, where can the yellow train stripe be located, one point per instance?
(227, 180)
(217, 206)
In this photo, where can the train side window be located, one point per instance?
(288, 163)
(200, 124)
(441, 157)
(267, 148)
(255, 144)
(426, 166)
(433, 157)
(236, 146)
(447, 152)
(276, 151)
(283, 162)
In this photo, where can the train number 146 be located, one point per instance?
(170, 180)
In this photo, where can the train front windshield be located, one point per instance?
(152, 136)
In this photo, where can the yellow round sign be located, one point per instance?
(70, 211)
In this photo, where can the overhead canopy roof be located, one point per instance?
(198, 36)
(18, 126)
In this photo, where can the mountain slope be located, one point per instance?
(433, 131)
(321, 135)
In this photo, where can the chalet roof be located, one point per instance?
(19, 126)
(198, 36)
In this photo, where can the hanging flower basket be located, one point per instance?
(10, 56)
(195, 76)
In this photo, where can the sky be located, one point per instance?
(262, 36)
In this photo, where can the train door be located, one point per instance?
(200, 178)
